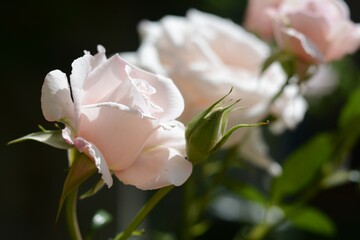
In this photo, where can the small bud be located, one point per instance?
(206, 132)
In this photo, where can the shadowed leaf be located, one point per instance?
(50, 137)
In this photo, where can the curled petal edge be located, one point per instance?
(94, 153)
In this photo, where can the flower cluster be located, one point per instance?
(147, 117)
(207, 55)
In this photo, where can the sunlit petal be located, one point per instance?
(56, 100)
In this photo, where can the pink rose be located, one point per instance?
(315, 30)
(122, 118)
(257, 18)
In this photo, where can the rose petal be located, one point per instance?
(156, 169)
(119, 132)
(256, 152)
(299, 44)
(56, 102)
(316, 34)
(162, 162)
(93, 152)
(346, 40)
(110, 82)
(232, 37)
(103, 79)
(290, 108)
(257, 19)
(166, 96)
(81, 67)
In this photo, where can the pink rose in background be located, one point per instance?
(257, 18)
(206, 55)
(122, 118)
(317, 31)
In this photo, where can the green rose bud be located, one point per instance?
(206, 132)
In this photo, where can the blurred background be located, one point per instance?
(40, 36)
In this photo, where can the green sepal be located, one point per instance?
(206, 132)
(92, 191)
(194, 122)
(50, 137)
(203, 131)
(82, 168)
(226, 136)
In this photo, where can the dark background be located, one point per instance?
(39, 36)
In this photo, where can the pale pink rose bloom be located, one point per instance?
(257, 18)
(205, 56)
(122, 118)
(316, 30)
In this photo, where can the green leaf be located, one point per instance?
(302, 166)
(82, 168)
(246, 191)
(92, 191)
(311, 219)
(351, 112)
(50, 137)
(100, 219)
(349, 131)
(200, 228)
(340, 177)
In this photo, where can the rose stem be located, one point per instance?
(144, 211)
(71, 215)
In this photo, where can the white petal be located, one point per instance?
(114, 80)
(104, 80)
(155, 169)
(119, 132)
(81, 68)
(99, 58)
(255, 151)
(93, 152)
(290, 109)
(166, 97)
(162, 162)
(56, 100)
(322, 82)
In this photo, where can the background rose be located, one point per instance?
(257, 19)
(206, 55)
(122, 118)
(315, 30)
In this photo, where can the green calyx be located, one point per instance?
(206, 132)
